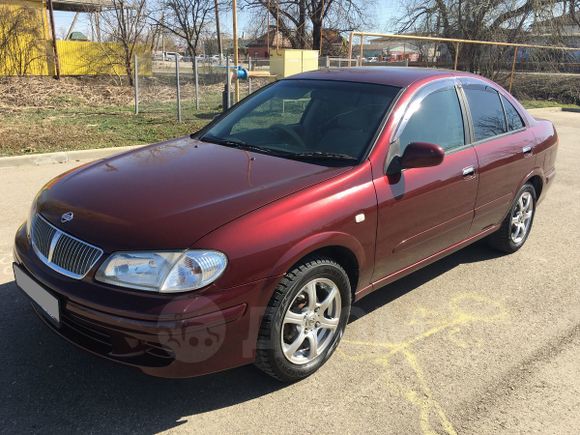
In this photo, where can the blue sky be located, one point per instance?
(386, 9)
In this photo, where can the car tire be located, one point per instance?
(516, 226)
(296, 335)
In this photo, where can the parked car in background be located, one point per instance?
(171, 55)
(248, 241)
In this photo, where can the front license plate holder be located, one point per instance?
(49, 304)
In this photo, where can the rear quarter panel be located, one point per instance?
(546, 144)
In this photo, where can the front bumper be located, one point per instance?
(173, 336)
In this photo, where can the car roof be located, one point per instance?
(384, 75)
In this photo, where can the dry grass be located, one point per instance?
(40, 114)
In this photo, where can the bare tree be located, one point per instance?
(188, 20)
(20, 40)
(301, 22)
(126, 24)
(499, 20)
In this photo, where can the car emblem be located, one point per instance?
(67, 217)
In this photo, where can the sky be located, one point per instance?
(385, 9)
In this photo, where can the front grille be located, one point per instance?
(62, 252)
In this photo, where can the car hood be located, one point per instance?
(169, 195)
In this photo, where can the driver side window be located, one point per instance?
(437, 119)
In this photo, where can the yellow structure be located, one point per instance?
(24, 54)
(287, 62)
(34, 55)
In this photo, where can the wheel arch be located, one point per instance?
(536, 178)
(538, 183)
(340, 247)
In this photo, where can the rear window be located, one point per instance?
(486, 111)
(514, 119)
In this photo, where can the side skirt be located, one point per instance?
(422, 263)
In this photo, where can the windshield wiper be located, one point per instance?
(235, 143)
(321, 155)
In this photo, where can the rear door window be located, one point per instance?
(514, 119)
(486, 111)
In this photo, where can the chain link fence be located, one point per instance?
(192, 88)
(195, 88)
(535, 70)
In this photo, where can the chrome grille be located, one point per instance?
(61, 251)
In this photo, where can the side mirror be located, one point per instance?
(422, 155)
(417, 155)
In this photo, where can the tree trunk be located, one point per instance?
(316, 34)
(129, 66)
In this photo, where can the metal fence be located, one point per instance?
(195, 88)
(495, 59)
(191, 87)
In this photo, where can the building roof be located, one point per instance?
(388, 75)
(81, 5)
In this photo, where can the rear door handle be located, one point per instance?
(470, 170)
(527, 149)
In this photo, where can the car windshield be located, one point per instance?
(322, 121)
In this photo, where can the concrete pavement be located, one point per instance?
(477, 343)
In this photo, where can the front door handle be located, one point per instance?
(527, 149)
(470, 170)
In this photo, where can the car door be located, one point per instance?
(422, 211)
(504, 148)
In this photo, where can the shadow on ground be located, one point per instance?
(479, 251)
(48, 385)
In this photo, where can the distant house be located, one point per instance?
(260, 47)
(392, 50)
(333, 43)
(564, 25)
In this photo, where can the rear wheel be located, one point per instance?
(305, 320)
(517, 225)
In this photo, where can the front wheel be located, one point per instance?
(516, 227)
(305, 320)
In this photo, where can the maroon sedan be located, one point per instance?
(249, 241)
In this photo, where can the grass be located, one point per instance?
(48, 130)
(78, 126)
(539, 104)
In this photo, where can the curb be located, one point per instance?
(544, 109)
(62, 157)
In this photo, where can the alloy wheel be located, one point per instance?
(522, 218)
(311, 321)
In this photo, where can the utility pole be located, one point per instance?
(321, 28)
(236, 57)
(268, 31)
(54, 49)
(218, 30)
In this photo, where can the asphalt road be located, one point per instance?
(477, 343)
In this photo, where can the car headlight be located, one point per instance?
(164, 272)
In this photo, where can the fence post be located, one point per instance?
(195, 67)
(249, 78)
(349, 49)
(228, 84)
(136, 84)
(456, 56)
(362, 53)
(178, 87)
(513, 69)
(327, 61)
